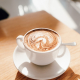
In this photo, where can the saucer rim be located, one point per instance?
(37, 77)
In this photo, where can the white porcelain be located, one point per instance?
(55, 69)
(37, 57)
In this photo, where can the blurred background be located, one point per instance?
(66, 11)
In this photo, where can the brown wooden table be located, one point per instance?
(11, 28)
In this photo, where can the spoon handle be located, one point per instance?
(70, 44)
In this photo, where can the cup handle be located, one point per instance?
(20, 40)
(61, 51)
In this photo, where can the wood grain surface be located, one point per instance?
(11, 28)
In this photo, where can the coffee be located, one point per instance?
(41, 39)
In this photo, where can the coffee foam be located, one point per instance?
(41, 40)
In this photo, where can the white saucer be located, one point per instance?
(55, 69)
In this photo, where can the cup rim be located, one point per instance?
(43, 51)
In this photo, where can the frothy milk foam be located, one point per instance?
(41, 40)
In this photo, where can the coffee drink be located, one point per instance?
(41, 40)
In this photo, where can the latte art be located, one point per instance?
(41, 40)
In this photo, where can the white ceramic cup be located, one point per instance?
(37, 57)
